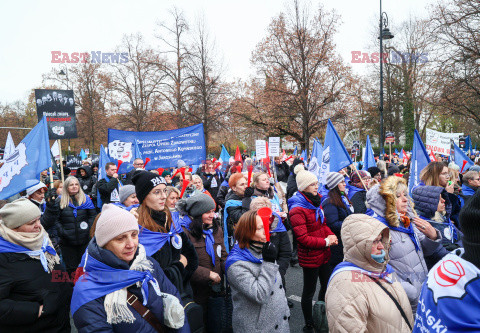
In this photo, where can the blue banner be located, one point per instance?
(163, 148)
(419, 160)
(368, 159)
(22, 168)
(460, 158)
(334, 156)
(316, 160)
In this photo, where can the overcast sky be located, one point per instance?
(32, 29)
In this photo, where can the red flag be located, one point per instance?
(238, 156)
(432, 157)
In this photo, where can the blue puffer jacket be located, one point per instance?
(91, 317)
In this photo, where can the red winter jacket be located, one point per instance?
(311, 235)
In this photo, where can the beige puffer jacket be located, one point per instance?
(354, 302)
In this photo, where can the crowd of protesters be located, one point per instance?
(192, 251)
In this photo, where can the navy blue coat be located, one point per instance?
(334, 216)
(91, 317)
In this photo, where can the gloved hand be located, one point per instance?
(50, 196)
(50, 305)
(248, 192)
(269, 252)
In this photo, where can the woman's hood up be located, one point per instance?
(358, 233)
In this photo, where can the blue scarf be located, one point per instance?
(348, 266)
(184, 220)
(153, 241)
(209, 241)
(225, 183)
(240, 254)
(347, 204)
(352, 190)
(229, 203)
(453, 230)
(280, 227)
(467, 190)
(299, 200)
(7, 247)
(409, 231)
(129, 208)
(100, 280)
(88, 204)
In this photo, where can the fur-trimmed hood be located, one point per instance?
(382, 199)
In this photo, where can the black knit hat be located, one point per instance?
(373, 171)
(144, 182)
(469, 217)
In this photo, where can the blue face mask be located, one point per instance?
(380, 258)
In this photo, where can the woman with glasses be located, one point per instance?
(163, 240)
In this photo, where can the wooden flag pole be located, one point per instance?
(51, 176)
(360, 177)
(61, 160)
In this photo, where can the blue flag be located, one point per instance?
(419, 160)
(103, 159)
(83, 155)
(224, 157)
(22, 168)
(136, 152)
(295, 151)
(460, 158)
(401, 154)
(396, 152)
(304, 156)
(314, 165)
(368, 158)
(335, 156)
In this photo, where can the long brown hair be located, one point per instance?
(145, 219)
(430, 175)
(335, 198)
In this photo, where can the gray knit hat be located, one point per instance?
(333, 179)
(113, 221)
(19, 212)
(196, 205)
(125, 191)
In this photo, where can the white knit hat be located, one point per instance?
(35, 188)
(305, 179)
(113, 221)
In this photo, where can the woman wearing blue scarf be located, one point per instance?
(77, 214)
(171, 247)
(259, 302)
(34, 288)
(433, 205)
(336, 207)
(121, 288)
(412, 238)
(206, 235)
(357, 299)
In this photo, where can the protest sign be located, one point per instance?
(439, 142)
(58, 106)
(260, 149)
(274, 146)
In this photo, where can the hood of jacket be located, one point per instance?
(358, 233)
(88, 171)
(382, 200)
(426, 200)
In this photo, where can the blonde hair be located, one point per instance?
(65, 200)
(260, 202)
(171, 189)
(256, 176)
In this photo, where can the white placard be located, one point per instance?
(261, 149)
(439, 142)
(274, 146)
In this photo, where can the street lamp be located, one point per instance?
(384, 34)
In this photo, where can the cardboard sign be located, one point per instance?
(274, 146)
(261, 149)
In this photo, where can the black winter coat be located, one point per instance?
(291, 185)
(212, 182)
(234, 213)
(282, 243)
(105, 187)
(24, 286)
(334, 217)
(221, 195)
(168, 256)
(87, 181)
(282, 171)
(358, 202)
(68, 226)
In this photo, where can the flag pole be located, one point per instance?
(358, 174)
(51, 176)
(61, 159)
